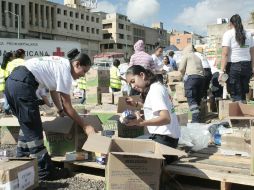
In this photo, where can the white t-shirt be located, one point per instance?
(212, 63)
(205, 63)
(51, 72)
(158, 61)
(159, 99)
(167, 68)
(237, 53)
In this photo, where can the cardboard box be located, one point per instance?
(103, 77)
(17, 174)
(122, 130)
(132, 163)
(106, 98)
(180, 93)
(9, 130)
(237, 143)
(116, 96)
(62, 135)
(122, 105)
(174, 76)
(182, 118)
(224, 108)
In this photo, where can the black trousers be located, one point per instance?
(208, 77)
(239, 78)
(168, 141)
(20, 92)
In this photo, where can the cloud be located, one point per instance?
(106, 6)
(142, 10)
(207, 11)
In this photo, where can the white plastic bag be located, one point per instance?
(195, 135)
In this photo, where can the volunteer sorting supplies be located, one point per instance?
(56, 74)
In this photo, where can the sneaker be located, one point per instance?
(56, 174)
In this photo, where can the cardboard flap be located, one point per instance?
(122, 105)
(61, 125)
(166, 150)
(144, 155)
(9, 121)
(97, 143)
(93, 120)
(240, 110)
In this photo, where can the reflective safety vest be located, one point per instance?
(115, 81)
(3, 76)
(82, 83)
(13, 64)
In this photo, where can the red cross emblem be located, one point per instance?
(58, 52)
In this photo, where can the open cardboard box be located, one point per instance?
(132, 163)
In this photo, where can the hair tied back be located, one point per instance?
(73, 53)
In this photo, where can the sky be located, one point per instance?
(188, 15)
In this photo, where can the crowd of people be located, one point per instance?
(144, 74)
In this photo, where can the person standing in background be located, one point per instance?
(193, 72)
(115, 77)
(171, 60)
(207, 72)
(140, 57)
(237, 48)
(82, 86)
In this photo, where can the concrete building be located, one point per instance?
(182, 39)
(42, 19)
(120, 34)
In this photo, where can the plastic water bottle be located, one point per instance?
(217, 138)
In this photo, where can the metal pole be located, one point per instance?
(18, 26)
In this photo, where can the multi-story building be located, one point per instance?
(47, 20)
(182, 39)
(120, 34)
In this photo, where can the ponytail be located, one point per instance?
(239, 30)
(75, 55)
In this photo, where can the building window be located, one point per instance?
(71, 14)
(65, 25)
(65, 12)
(87, 29)
(121, 36)
(119, 46)
(71, 26)
(97, 20)
(128, 28)
(97, 31)
(106, 26)
(111, 46)
(120, 26)
(178, 41)
(58, 11)
(82, 16)
(59, 24)
(77, 27)
(77, 15)
(107, 36)
(87, 18)
(188, 40)
(92, 19)
(82, 28)
(92, 30)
